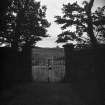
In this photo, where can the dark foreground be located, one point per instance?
(42, 94)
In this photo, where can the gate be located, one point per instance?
(48, 67)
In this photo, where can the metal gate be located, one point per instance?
(48, 68)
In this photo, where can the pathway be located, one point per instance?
(43, 94)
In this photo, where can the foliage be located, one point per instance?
(99, 22)
(25, 23)
(3, 7)
(85, 23)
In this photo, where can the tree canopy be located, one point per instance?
(25, 23)
(89, 26)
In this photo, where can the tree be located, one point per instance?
(3, 6)
(84, 21)
(99, 23)
(26, 23)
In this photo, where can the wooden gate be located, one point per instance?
(49, 68)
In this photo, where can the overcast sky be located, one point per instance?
(53, 9)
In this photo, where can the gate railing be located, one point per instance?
(48, 69)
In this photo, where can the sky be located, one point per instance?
(54, 9)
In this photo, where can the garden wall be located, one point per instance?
(85, 69)
(15, 67)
